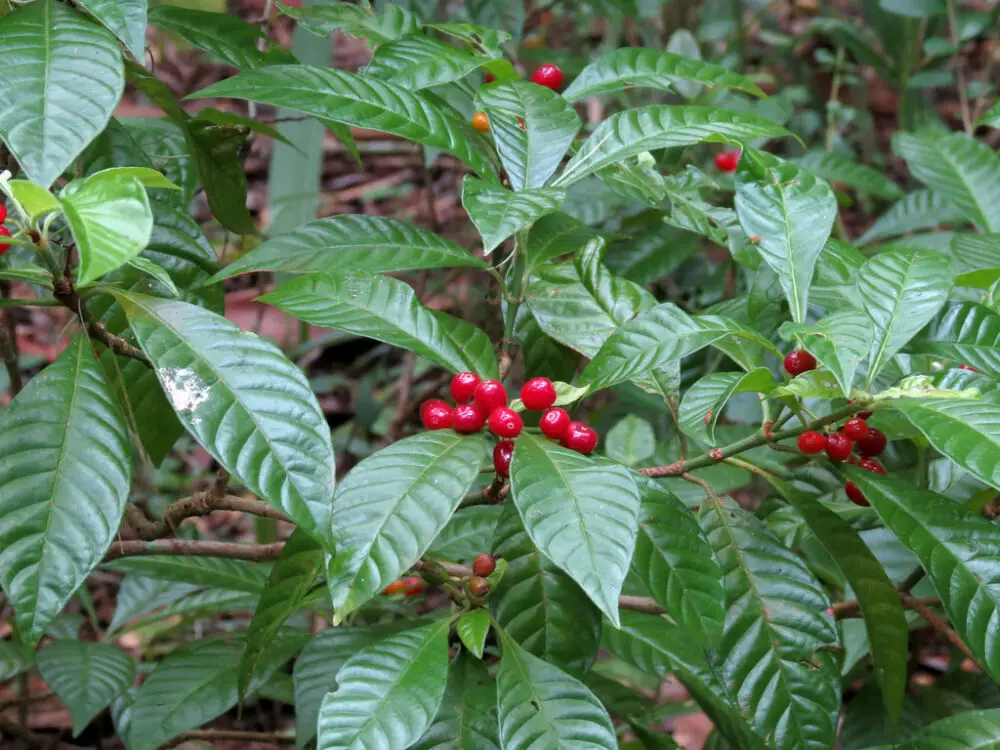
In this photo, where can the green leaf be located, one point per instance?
(418, 61)
(532, 127)
(388, 694)
(218, 117)
(216, 150)
(216, 572)
(468, 715)
(86, 676)
(473, 627)
(390, 508)
(126, 19)
(580, 511)
(704, 401)
(497, 14)
(778, 642)
(34, 199)
(196, 683)
(921, 209)
(363, 102)
(542, 706)
(792, 212)
(969, 730)
(388, 310)
(554, 235)
(835, 280)
(244, 402)
(634, 66)
(499, 213)
(976, 258)
(840, 342)
(15, 659)
(960, 168)
(292, 577)
(903, 290)
(631, 441)
(966, 333)
(52, 53)
(538, 605)
(149, 268)
(675, 563)
(690, 212)
(641, 129)
(372, 244)
(991, 117)
(28, 272)
(147, 176)
(393, 22)
(954, 547)
(65, 475)
(163, 142)
(467, 533)
(835, 167)
(139, 595)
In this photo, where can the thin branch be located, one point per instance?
(213, 735)
(228, 550)
(939, 625)
(64, 292)
(851, 609)
(8, 350)
(640, 604)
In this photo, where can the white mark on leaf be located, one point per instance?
(184, 388)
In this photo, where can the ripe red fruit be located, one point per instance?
(503, 452)
(554, 423)
(856, 429)
(467, 418)
(4, 247)
(483, 565)
(479, 587)
(396, 587)
(874, 444)
(436, 414)
(811, 442)
(538, 394)
(463, 387)
(505, 423)
(870, 464)
(855, 495)
(413, 586)
(727, 161)
(3, 213)
(549, 76)
(490, 78)
(481, 122)
(799, 361)
(838, 446)
(489, 395)
(970, 368)
(580, 438)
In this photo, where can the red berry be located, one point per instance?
(483, 565)
(413, 586)
(396, 587)
(505, 422)
(548, 76)
(489, 395)
(864, 415)
(799, 361)
(3, 213)
(856, 429)
(503, 452)
(4, 247)
(490, 78)
(538, 394)
(727, 161)
(580, 438)
(467, 418)
(554, 423)
(870, 464)
(970, 368)
(463, 387)
(874, 444)
(855, 495)
(481, 122)
(479, 587)
(838, 446)
(811, 442)
(436, 415)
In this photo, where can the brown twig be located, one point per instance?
(228, 550)
(46, 742)
(640, 604)
(852, 608)
(64, 292)
(8, 347)
(213, 735)
(941, 626)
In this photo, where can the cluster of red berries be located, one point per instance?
(4, 232)
(482, 566)
(839, 446)
(727, 161)
(406, 586)
(548, 75)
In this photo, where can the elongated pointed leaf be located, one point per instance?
(467, 534)
(966, 333)
(835, 167)
(976, 258)
(962, 169)
(662, 126)
(216, 572)
(126, 19)
(373, 244)
(363, 102)
(539, 605)
(580, 511)
(418, 61)
(840, 342)
(633, 66)
(777, 646)
(542, 706)
(904, 289)
(139, 595)
(704, 401)
(199, 604)
(388, 310)
(921, 209)
(53, 53)
(244, 402)
(473, 627)
(631, 441)
(834, 284)
(554, 235)
(499, 213)
(86, 676)
(792, 212)
(467, 718)
(388, 694)
(968, 730)
(15, 659)
(65, 474)
(391, 506)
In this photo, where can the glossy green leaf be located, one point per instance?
(976, 258)
(835, 167)
(468, 715)
(388, 694)
(960, 168)
(418, 61)
(704, 401)
(138, 596)
(126, 19)
(86, 676)
(633, 66)
(532, 127)
(163, 142)
(372, 244)
(386, 309)
(631, 441)
(641, 129)
(217, 572)
(149, 268)
(566, 311)
(991, 117)
(903, 291)
(921, 209)
(15, 659)
(216, 150)
(363, 102)
(969, 730)
(580, 511)
(197, 605)
(473, 627)
(52, 53)
(147, 176)
(540, 606)
(966, 333)
(468, 533)
(393, 22)
(293, 575)
(778, 644)
(555, 235)
(690, 212)
(391, 506)
(542, 706)
(29, 272)
(792, 211)
(499, 213)
(34, 199)
(840, 342)
(65, 475)
(834, 284)
(244, 402)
